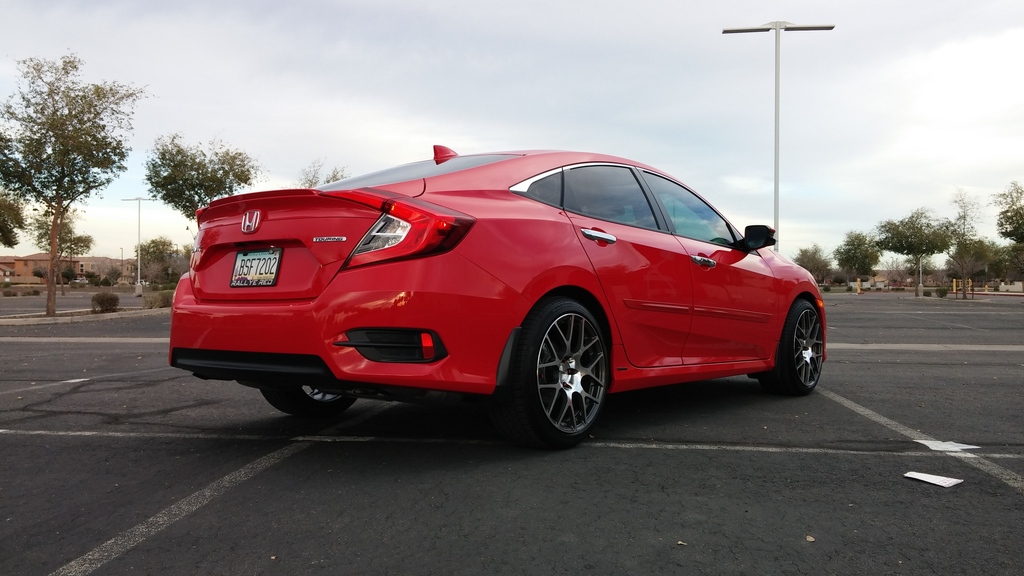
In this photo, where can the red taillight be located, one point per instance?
(407, 228)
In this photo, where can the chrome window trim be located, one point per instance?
(523, 186)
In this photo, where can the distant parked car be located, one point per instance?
(537, 281)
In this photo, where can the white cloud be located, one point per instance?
(891, 111)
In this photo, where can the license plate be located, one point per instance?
(256, 268)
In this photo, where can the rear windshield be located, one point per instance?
(414, 171)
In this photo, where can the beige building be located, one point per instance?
(21, 269)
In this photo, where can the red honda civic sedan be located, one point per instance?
(539, 281)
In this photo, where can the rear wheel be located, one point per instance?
(798, 358)
(307, 402)
(558, 378)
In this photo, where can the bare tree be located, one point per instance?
(313, 176)
(967, 252)
(896, 271)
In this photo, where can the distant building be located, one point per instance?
(98, 265)
(21, 269)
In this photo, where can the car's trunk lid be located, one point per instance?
(285, 244)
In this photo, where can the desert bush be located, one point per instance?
(32, 292)
(941, 292)
(849, 288)
(927, 293)
(10, 293)
(105, 302)
(161, 299)
(826, 288)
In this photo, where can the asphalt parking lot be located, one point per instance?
(115, 463)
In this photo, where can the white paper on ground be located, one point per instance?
(946, 446)
(933, 479)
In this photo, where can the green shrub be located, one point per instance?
(160, 299)
(849, 288)
(927, 293)
(826, 288)
(10, 293)
(941, 292)
(105, 302)
(6, 285)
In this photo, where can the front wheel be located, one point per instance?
(558, 379)
(798, 358)
(307, 402)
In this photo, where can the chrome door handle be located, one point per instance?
(703, 261)
(599, 236)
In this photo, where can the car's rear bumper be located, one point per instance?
(303, 341)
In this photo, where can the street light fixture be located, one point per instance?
(778, 26)
(138, 246)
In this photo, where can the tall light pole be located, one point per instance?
(778, 26)
(138, 246)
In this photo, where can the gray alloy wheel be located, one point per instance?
(307, 402)
(799, 356)
(559, 377)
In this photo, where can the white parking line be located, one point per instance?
(1010, 478)
(80, 380)
(131, 538)
(613, 444)
(77, 340)
(928, 347)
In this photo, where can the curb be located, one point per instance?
(81, 317)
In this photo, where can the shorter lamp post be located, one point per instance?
(138, 246)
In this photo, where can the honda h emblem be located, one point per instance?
(250, 221)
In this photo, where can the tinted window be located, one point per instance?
(609, 193)
(690, 216)
(548, 189)
(414, 171)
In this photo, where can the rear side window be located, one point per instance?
(608, 193)
(690, 216)
(546, 189)
(414, 171)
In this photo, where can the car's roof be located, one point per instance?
(492, 170)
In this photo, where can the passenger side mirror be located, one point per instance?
(758, 236)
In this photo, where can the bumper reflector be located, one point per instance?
(395, 344)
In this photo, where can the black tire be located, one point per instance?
(307, 402)
(798, 358)
(558, 378)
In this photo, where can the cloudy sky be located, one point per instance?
(898, 106)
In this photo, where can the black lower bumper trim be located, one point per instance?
(252, 366)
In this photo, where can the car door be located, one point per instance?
(734, 295)
(643, 270)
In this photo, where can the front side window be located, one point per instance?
(690, 216)
(608, 193)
